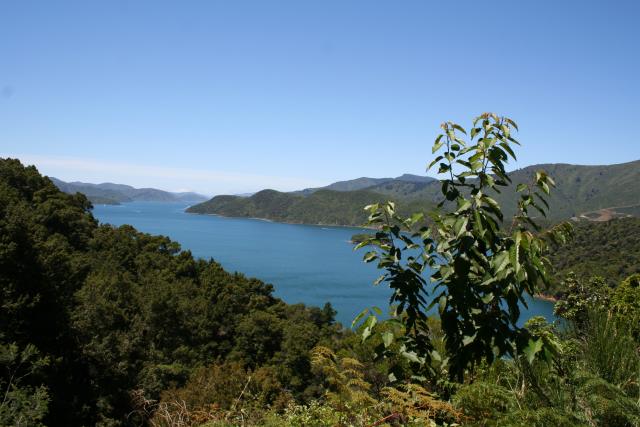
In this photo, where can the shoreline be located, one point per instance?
(546, 297)
(361, 227)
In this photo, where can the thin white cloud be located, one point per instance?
(171, 178)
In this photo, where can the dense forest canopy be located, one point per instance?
(106, 311)
(608, 249)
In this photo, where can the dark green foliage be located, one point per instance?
(22, 404)
(117, 313)
(44, 235)
(581, 296)
(610, 351)
(606, 405)
(485, 401)
(609, 249)
(625, 299)
(564, 391)
(603, 365)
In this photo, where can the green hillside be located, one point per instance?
(410, 190)
(609, 249)
(367, 183)
(321, 207)
(580, 190)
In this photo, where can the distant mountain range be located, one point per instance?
(108, 193)
(592, 192)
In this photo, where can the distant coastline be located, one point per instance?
(360, 227)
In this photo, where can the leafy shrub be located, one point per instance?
(609, 350)
(606, 405)
(625, 301)
(23, 404)
(483, 402)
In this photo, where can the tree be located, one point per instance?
(470, 264)
(582, 296)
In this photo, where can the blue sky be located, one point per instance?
(229, 97)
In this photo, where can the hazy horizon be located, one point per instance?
(254, 186)
(227, 98)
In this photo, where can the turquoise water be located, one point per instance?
(305, 263)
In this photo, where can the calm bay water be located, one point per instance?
(305, 263)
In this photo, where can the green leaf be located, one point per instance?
(412, 356)
(508, 149)
(545, 188)
(500, 261)
(514, 253)
(466, 340)
(359, 317)
(417, 217)
(370, 256)
(379, 280)
(436, 160)
(387, 338)
(458, 127)
(370, 323)
(442, 303)
(437, 144)
(460, 225)
(362, 244)
(532, 348)
(512, 123)
(463, 204)
(366, 333)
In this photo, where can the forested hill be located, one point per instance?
(97, 320)
(608, 249)
(326, 207)
(108, 193)
(594, 192)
